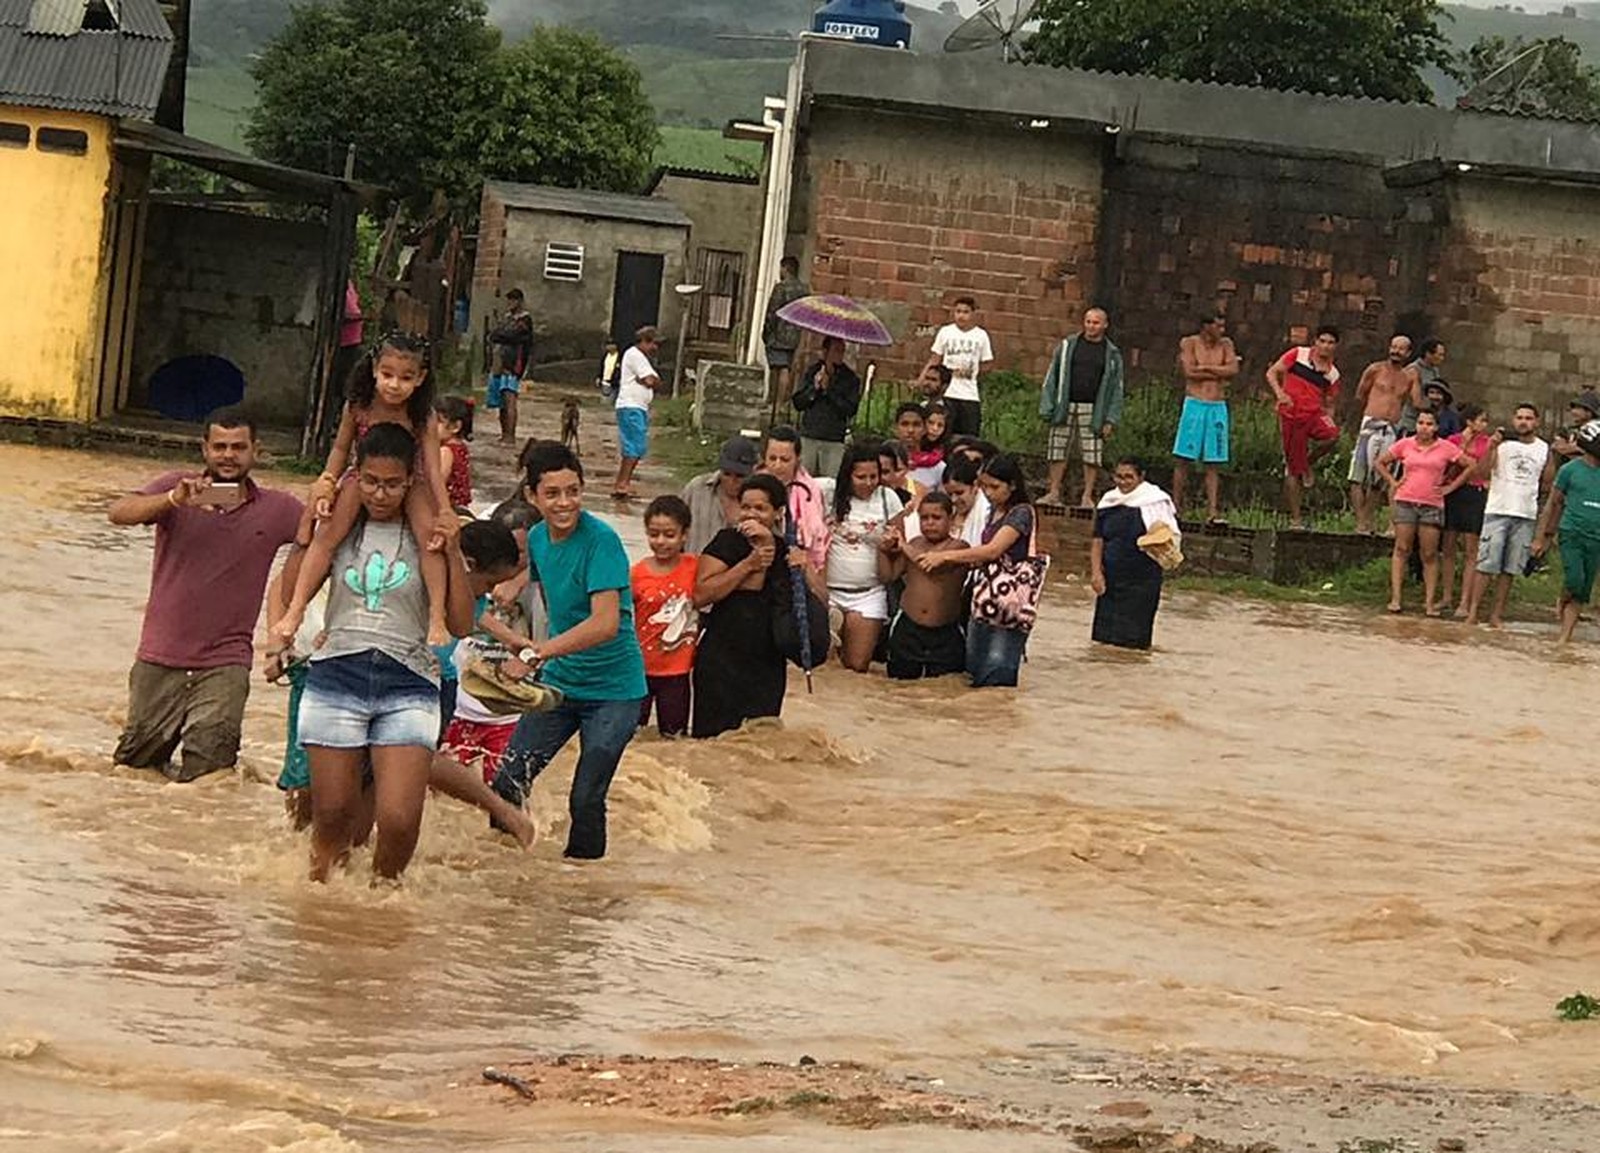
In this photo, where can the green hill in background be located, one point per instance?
(700, 68)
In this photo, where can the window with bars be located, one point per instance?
(717, 307)
(563, 262)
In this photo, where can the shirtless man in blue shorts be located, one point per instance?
(1209, 362)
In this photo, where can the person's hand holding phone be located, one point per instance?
(220, 494)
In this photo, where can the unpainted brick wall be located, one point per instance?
(904, 214)
(1279, 243)
(1517, 295)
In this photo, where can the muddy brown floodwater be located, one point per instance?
(1300, 877)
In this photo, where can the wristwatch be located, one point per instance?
(530, 657)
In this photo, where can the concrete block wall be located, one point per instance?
(1279, 243)
(1516, 297)
(234, 285)
(904, 214)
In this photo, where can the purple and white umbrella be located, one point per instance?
(836, 316)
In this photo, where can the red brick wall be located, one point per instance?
(906, 214)
(491, 245)
(1517, 294)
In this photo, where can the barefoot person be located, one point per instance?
(372, 693)
(1574, 512)
(1419, 497)
(634, 395)
(925, 637)
(1306, 383)
(1383, 391)
(592, 656)
(217, 534)
(1208, 362)
(1521, 469)
(1082, 403)
(512, 344)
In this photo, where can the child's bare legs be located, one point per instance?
(450, 777)
(421, 517)
(318, 561)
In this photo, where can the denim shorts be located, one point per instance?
(1426, 515)
(366, 699)
(1505, 544)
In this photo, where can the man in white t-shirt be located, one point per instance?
(1521, 469)
(635, 390)
(963, 347)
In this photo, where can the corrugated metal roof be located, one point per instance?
(599, 205)
(47, 60)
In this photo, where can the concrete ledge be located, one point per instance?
(1275, 555)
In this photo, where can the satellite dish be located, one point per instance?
(1505, 84)
(995, 22)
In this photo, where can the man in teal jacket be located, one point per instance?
(1082, 403)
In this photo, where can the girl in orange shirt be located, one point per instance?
(664, 616)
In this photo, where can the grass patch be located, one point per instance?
(753, 1105)
(707, 150)
(683, 451)
(1578, 1007)
(808, 1099)
(1367, 586)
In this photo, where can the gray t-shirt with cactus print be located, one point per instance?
(377, 599)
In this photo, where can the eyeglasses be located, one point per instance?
(373, 486)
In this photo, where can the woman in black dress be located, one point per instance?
(1127, 583)
(739, 671)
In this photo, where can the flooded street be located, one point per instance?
(1292, 839)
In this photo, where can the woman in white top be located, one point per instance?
(860, 515)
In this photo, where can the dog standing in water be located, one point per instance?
(570, 415)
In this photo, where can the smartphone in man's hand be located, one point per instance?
(221, 494)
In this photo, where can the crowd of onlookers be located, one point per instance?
(430, 649)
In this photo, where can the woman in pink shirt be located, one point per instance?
(1419, 494)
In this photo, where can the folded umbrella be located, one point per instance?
(836, 316)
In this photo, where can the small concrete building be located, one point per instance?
(723, 249)
(594, 266)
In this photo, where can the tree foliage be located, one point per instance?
(568, 110)
(1556, 83)
(431, 100)
(1375, 48)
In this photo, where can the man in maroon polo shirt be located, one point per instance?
(217, 534)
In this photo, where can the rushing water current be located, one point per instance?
(1360, 846)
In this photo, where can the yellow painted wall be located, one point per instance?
(51, 222)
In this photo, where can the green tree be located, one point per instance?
(1375, 48)
(402, 80)
(1552, 82)
(568, 110)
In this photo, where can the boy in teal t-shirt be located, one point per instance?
(1574, 510)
